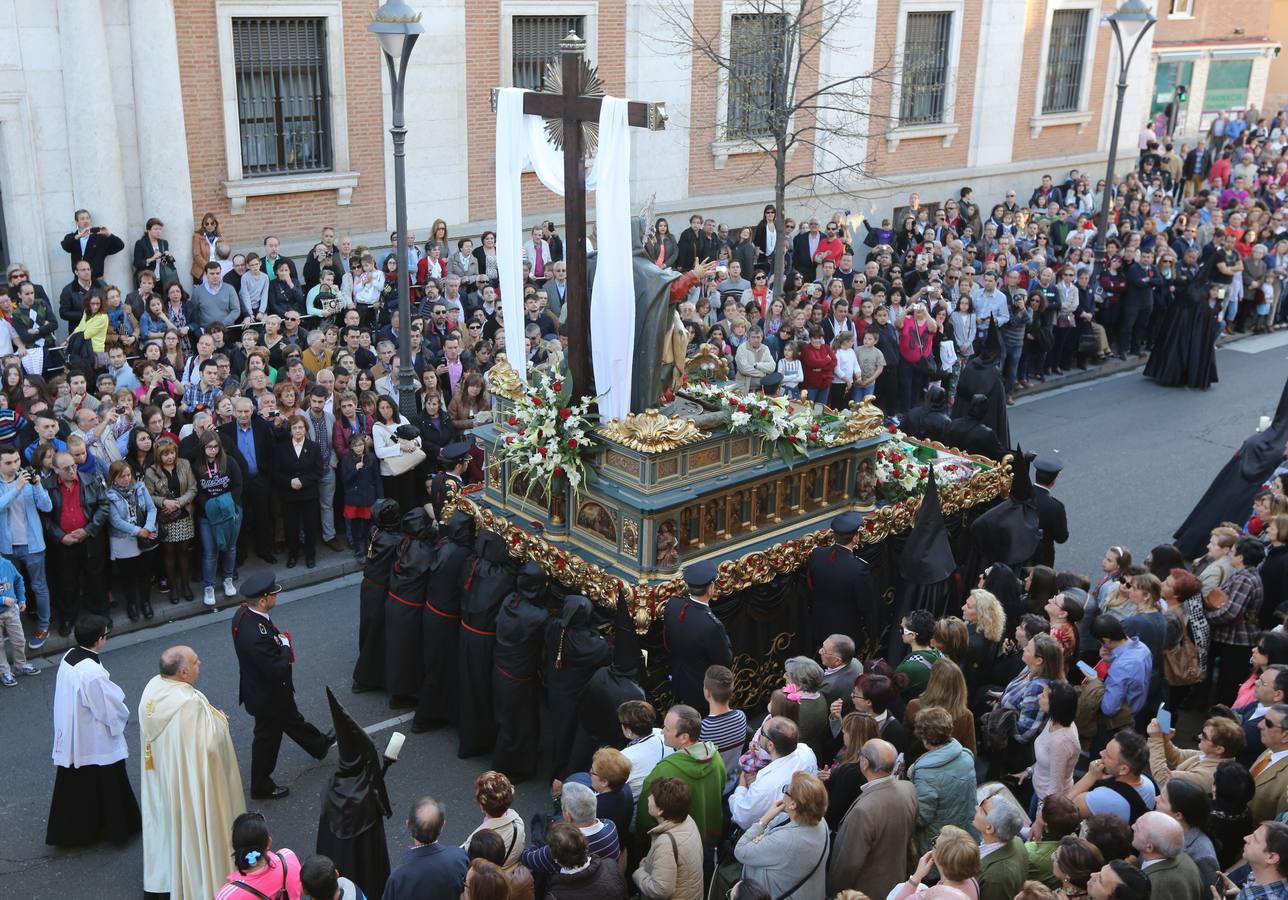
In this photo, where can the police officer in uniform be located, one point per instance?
(772, 384)
(694, 637)
(265, 656)
(455, 459)
(1051, 514)
(842, 595)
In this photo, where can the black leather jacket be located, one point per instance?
(93, 503)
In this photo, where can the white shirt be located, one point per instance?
(748, 804)
(89, 715)
(644, 755)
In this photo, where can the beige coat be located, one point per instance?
(870, 853)
(155, 481)
(673, 868)
(1272, 783)
(1167, 762)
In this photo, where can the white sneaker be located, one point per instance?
(230, 589)
(208, 597)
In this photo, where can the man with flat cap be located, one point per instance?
(842, 595)
(265, 656)
(694, 637)
(455, 459)
(772, 384)
(1051, 515)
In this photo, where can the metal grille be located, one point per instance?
(925, 67)
(283, 95)
(757, 45)
(1066, 57)
(535, 40)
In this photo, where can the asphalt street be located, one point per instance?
(1136, 458)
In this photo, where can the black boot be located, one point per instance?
(147, 609)
(132, 610)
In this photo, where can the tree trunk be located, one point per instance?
(780, 192)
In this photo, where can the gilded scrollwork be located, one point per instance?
(756, 676)
(651, 432)
(863, 420)
(503, 380)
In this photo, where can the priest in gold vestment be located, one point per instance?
(191, 787)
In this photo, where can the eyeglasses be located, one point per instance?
(1201, 736)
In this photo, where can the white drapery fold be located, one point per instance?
(521, 140)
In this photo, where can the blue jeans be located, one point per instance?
(210, 554)
(861, 392)
(817, 395)
(1011, 365)
(36, 582)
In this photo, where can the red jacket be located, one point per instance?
(818, 363)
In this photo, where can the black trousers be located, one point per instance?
(257, 521)
(267, 741)
(77, 575)
(297, 515)
(132, 577)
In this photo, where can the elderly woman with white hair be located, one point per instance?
(803, 679)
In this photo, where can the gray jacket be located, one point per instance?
(780, 856)
(945, 783)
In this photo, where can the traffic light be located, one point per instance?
(1182, 93)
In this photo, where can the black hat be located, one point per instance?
(700, 574)
(259, 584)
(407, 432)
(847, 524)
(359, 773)
(927, 556)
(771, 382)
(1009, 532)
(454, 453)
(1048, 466)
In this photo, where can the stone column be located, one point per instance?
(93, 139)
(162, 134)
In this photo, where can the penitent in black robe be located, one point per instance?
(369, 670)
(404, 607)
(491, 579)
(516, 674)
(609, 688)
(983, 376)
(453, 556)
(1010, 532)
(1185, 355)
(574, 652)
(355, 804)
(926, 568)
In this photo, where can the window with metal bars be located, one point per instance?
(535, 42)
(925, 68)
(1066, 60)
(757, 44)
(283, 95)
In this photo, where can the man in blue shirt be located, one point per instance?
(120, 370)
(1130, 665)
(249, 440)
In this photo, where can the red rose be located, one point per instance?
(541, 450)
(869, 525)
(792, 438)
(572, 443)
(559, 471)
(536, 401)
(513, 420)
(892, 428)
(522, 431)
(565, 414)
(556, 386)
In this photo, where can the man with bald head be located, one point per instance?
(191, 788)
(870, 853)
(1160, 841)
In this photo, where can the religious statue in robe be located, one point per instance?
(660, 338)
(190, 785)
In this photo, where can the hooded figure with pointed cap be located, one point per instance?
(843, 597)
(404, 606)
(982, 375)
(492, 578)
(369, 670)
(351, 830)
(1230, 496)
(1009, 532)
(574, 651)
(441, 625)
(608, 689)
(970, 431)
(516, 674)
(926, 566)
(930, 419)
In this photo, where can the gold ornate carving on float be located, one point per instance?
(651, 432)
(706, 365)
(503, 380)
(757, 676)
(865, 420)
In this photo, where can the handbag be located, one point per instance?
(925, 365)
(141, 519)
(405, 462)
(1181, 664)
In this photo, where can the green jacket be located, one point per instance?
(1002, 872)
(702, 769)
(1040, 853)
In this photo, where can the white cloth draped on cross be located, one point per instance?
(521, 140)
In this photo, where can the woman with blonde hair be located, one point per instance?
(956, 856)
(1215, 568)
(1138, 593)
(951, 638)
(985, 623)
(947, 690)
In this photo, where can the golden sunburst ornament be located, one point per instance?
(591, 86)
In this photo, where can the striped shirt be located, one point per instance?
(601, 840)
(728, 731)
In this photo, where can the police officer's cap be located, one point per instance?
(259, 584)
(846, 524)
(454, 453)
(771, 382)
(1049, 466)
(700, 574)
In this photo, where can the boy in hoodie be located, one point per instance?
(695, 762)
(13, 602)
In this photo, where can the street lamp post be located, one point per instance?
(1132, 14)
(397, 26)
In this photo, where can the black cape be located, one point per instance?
(1001, 582)
(982, 376)
(574, 651)
(369, 670)
(491, 580)
(970, 431)
(609, 688)
(351, 829)
(929, 420)
(1009, 532)
(926, 567)
(843, 597)
(1185, 355)
(516, 672)
(453, 559)
(404, 606)
(1229, 497)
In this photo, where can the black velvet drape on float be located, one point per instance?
(768, 623)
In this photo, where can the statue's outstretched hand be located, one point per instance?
(703, 269)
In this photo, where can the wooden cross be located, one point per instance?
(573, 107)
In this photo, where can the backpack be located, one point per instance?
(279, 894)
(996, 727)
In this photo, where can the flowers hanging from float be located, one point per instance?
(548, 436)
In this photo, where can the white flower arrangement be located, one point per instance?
(549, 436)
(901, 473)
(791, 431)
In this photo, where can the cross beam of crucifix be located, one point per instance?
(573, 107)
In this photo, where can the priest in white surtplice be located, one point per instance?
(191, 787)
(93, 800)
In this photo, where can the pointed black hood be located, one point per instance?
(386, 514)
(1021, 483)
(491, 548)
(532, 582)
(417, 523)
(626, 644)
(459, 528)
(991, 352)
(1009, 532)
(1262, 452)
(927, 556)
(356, 799)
